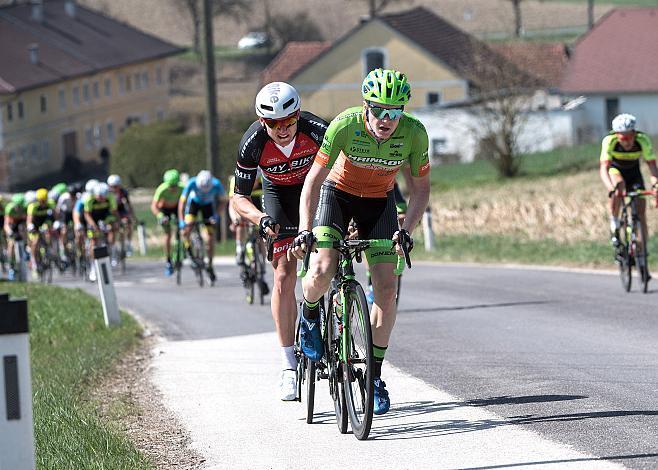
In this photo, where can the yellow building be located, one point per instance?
(71, 80)
(443, 64)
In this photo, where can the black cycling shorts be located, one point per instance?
(632, 176)
(193, 208)
(282, 204)
(375, 218)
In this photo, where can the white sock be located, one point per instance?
(288, 359)
(614, 223)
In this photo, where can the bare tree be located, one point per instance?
(375, 7)
(518, 26)
(590, 14)
(299, 27)
(502, 94)
(236, 9)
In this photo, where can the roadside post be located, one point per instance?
(16, 424)
(428, 233)
(141, 237)
(106, 286)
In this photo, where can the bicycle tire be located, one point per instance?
(332, 343)
(301, 362)
(624, 257)
(311, 379)
(260, 272)
(397, 294)
(358, 380)
(122, 253)
(641, 258)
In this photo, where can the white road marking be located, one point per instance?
(224, 392)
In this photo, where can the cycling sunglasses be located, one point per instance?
(380, 113)
(285, 122)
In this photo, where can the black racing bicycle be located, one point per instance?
(629, 251)
(252, 273)
(197, 252)
(348, 359)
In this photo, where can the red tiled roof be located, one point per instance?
(463, 53)
(544, 61)
(618, 55)
(68, 46)
(292, 58)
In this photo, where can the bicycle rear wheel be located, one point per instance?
(397, 295)
(624, 256)
(332, 344)
(357, 373)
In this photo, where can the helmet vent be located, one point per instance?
(288, 103)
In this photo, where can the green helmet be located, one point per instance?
(386, 87)
(18, 199)
(171, 177)
(59, 188)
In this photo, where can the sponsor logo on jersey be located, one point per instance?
(395, 146)
(242, 174)
(357, 133)
(375, 161)
(355, 149)
(282, 248)
(301, 162)
(278, 169)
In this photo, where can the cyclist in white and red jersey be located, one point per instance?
(282, 143)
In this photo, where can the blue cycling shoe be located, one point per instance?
(370, 295)
(169, 269)
(382, 402)
(311, 339)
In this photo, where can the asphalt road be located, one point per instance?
(567, 356)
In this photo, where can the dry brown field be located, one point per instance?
(566, 208)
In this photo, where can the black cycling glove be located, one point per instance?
(405, 238)
(265, 223)
(304, 237)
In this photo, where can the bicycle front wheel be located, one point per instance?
(332, 345)
(624, 256)
(641, 257)
(357, 370)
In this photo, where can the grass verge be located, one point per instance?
(71, 349)
(502, 249)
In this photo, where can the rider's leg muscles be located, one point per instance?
(284, 305)
(322, 267)
(167, 231)
(384, 310)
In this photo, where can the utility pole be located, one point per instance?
(212, 137)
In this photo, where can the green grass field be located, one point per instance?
(533, 166)
(71, 350)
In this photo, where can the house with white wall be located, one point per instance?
(614, 67)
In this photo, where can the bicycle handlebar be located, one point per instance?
(357, 245)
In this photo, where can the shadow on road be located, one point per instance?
(549, 462)
(434, 428)
(472, 307)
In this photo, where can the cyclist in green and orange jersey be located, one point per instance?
(352, 178)
(165, 207)
(621, 151)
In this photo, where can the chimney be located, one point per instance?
(37, 10)
(34, 53)
(69, 8)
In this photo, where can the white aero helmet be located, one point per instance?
(30, 197)
(114, 180)
(89, 185)
(277, 100)
(624, 123)
(101, 190)
(204, 180)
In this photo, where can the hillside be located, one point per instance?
(483, 17)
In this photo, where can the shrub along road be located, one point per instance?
(488, 367)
